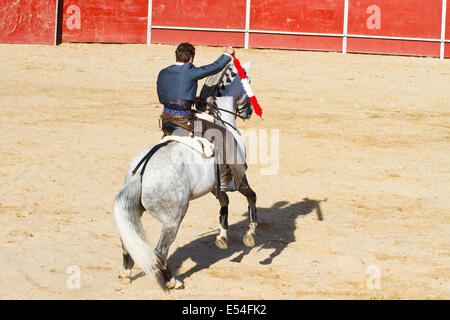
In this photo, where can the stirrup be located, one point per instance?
(229, 188)
(232, 187)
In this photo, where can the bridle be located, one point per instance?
(215, 110)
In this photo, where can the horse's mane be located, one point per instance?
(213, 84)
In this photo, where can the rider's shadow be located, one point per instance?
(276, 229)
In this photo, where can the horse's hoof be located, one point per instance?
(174, 284)
(249, 239)
(179, 285)
(124, 279)
(222, 242)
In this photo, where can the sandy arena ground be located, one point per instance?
(371, 134)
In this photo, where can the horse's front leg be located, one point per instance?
(222, 237)
(249, 238)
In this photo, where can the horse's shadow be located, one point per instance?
(276, 226)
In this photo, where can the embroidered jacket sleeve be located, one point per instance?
(210, 69)
(179, 81)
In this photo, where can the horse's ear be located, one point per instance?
(247, 65)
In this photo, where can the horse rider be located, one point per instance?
(177, 90)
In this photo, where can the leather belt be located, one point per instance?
(179, 105)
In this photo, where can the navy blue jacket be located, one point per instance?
(179, 82)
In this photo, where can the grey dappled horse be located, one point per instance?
(174, 175)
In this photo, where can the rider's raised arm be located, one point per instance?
(210, 69)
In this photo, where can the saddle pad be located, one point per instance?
(199, 144)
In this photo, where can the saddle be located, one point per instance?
(199, 144)
(175, 133)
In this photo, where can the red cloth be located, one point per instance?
(243, 76)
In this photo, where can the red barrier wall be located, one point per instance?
(402, 47)
(31, 22)
(294, 24)
(215, 14)
(447, 28)
(382, 18)
(398, 18)
(395, 18)
(447, 31)
(198, 37)
(297, 16)
(105, 21)
(275, 41)
(318, 16)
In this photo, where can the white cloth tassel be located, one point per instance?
(247, 87)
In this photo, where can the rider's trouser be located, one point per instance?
(231, 161)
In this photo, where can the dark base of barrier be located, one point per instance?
(220, 309)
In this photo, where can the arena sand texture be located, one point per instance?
(369, 134)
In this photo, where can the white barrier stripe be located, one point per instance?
(149, 21)
(443, 21)
(250, 31)
(197, 29)
(392, 38)
(336, 35)
(298, 33)
(56, 22)
(344, 40)
(247, 23)
(247, 87)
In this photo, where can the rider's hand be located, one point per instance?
(230, 51)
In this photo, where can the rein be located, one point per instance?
(217, 110)
(236, 114)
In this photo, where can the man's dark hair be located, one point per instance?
(184, 52)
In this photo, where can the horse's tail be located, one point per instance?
(127, 208)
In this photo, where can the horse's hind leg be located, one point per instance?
(222, 238)
(128, 263)
(168, 233)
(249, 238)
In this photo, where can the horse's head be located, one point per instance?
(227, 84)
(243, 106)
(232, 86)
